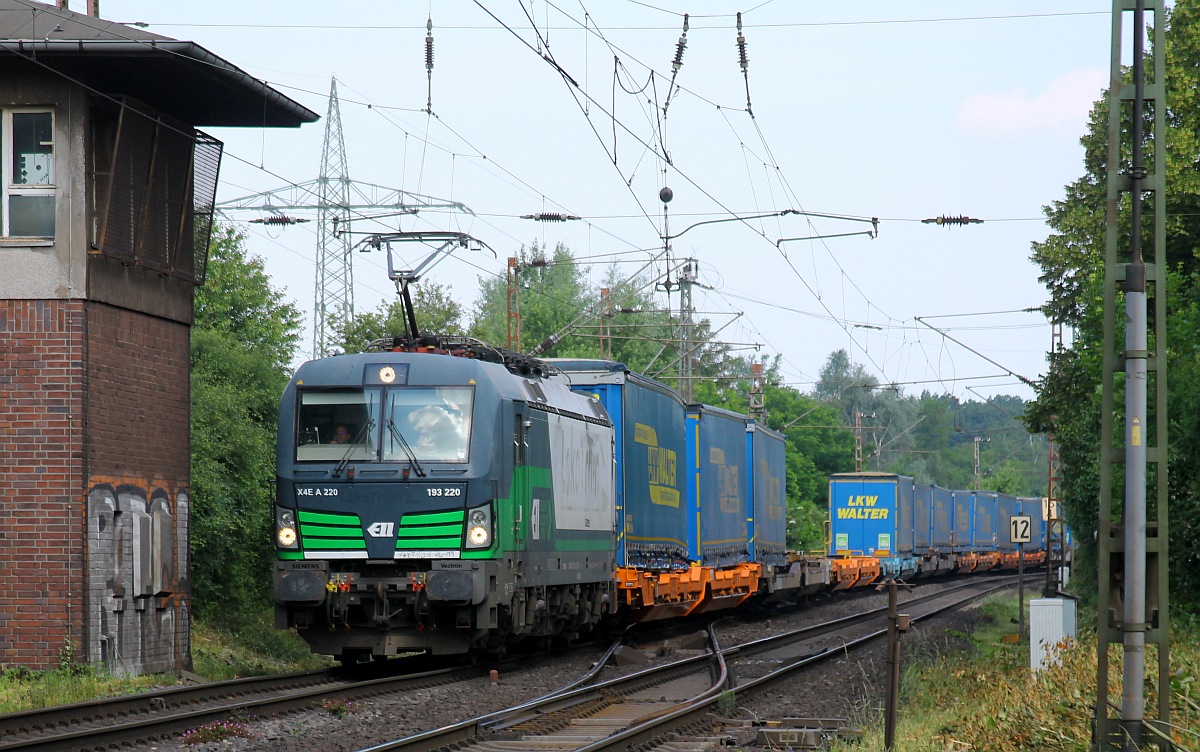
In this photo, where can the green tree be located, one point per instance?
(556, 299)
(818, 444)
(848, 386)
(243, 341)
(435, 308)
(554, 290)
(639, 328)
(1068, 403)
(937, 422)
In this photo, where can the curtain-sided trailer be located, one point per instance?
(872, 515)
(883, 524)
(766, 458)
(978, 550)
(683, 497)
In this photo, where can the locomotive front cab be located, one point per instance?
(439, 503)
(386, 518)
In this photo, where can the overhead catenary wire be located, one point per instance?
(425, 140)
(726, 26)
(628, 181)
(682, 174)
(780, 25)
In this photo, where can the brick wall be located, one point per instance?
(41, 475)
(93, 487)
(137, 490)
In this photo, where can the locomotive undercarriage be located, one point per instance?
(453, 608)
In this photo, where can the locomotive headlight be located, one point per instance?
(285, 528)
(479, 527)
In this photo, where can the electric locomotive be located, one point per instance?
(471, 506)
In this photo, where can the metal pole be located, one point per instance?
(893, 666)
(858, 448)
(978, 477)
(1134, 618)
(1020, 592)
(687, 329)
(513, 339)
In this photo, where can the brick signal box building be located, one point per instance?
(106, 203)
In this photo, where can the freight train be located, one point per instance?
(444, 496)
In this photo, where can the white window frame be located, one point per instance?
(7, 159)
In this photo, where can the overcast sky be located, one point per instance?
(900, 111)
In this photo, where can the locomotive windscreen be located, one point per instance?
(332, 423)
(335, 424)
(435, 421)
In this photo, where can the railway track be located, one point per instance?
(674, 699)
(120, 722)
(579, 716)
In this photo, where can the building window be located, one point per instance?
(27, 160)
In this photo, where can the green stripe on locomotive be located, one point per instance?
(325, 518)
(534, 485)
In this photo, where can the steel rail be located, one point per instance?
(694, 713)
(560, 700)
(644, 728)
(161, 714)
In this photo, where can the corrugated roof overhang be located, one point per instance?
(179, 78)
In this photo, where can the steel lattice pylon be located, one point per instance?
(338, 201)
(334, 287)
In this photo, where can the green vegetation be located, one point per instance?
(250, 647)
(1072, 261)
(986, 699)
(22, 689)
(242, 345)
(340, 708)
(439, 312)
(247, 646)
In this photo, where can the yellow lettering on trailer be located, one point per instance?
(881, 513)
(729, 494)
(661, 467)
(644, 434)
(862, 501)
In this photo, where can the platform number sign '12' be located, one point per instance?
(1019, 528)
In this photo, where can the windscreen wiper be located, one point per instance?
(408, 450)
(362, 432)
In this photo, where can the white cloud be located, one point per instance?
(1063, 105)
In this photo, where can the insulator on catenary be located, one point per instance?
(429, 64)
(549, 217)
(429, 45)
(677, 63)
(946, 221)
(741, 45)
(278, 219)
